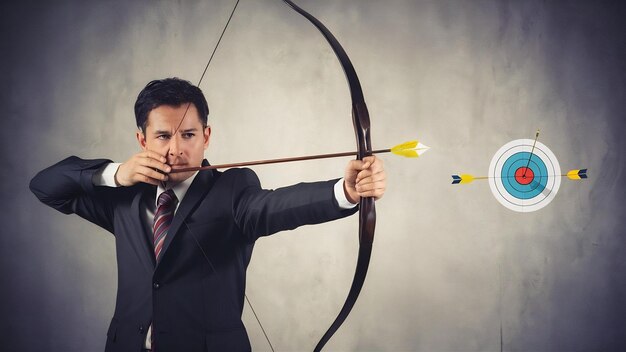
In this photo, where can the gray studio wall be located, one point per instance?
(452, 270)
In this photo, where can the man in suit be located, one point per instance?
(184, 240)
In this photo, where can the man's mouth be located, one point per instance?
(178, 166)
(182, 167)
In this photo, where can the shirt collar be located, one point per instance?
(180, 189)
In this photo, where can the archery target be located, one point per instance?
(523, 181)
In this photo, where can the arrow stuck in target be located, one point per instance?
(575, 175)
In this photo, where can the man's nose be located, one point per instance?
(174, 149)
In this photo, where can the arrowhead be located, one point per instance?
(421, 148)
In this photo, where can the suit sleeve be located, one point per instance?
(260, 212)
(67, 187)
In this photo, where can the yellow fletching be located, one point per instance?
(410, 149)
(409, 153)
(466, 178)
(573, 175)
(403, 146)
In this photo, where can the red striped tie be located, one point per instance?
(166, 204)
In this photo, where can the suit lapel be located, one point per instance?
(143, 244)
(196, 192)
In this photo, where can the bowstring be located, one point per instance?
(209, 62)
(257, 319)
(215, 271)
(206, 257)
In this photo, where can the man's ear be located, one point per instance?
(207, 136)
(141, 138)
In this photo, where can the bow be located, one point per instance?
(367, 210)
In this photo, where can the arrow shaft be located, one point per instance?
(531, 153)
(488, 177)
(274, 161)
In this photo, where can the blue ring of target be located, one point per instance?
(534, 188)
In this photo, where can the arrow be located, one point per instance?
(531, 153)
(466, 178)
(411, 149)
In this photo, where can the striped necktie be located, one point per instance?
(166, 204)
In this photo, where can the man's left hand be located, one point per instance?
(364, 178)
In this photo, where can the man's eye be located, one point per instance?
(163, 136)
(188, 135)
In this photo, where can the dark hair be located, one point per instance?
(169, 91)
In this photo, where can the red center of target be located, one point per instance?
(524, 175)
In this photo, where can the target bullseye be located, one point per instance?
(524, 175)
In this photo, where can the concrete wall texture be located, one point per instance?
(452, 269)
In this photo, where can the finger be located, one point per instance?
(370, 159)
(146, 179)
(362, 175)
(373, 162)
(155, 164)
(154, 155)
(372, 186)
(376, 164)
(371, 190)
(370, 167)
(151, 173)
(377, 183)
(372, 194)
(356, 165)
(369, 176)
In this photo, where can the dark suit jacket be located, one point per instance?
(194, 295)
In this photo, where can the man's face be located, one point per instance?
(183, 149)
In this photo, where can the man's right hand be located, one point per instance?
(146, 166)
